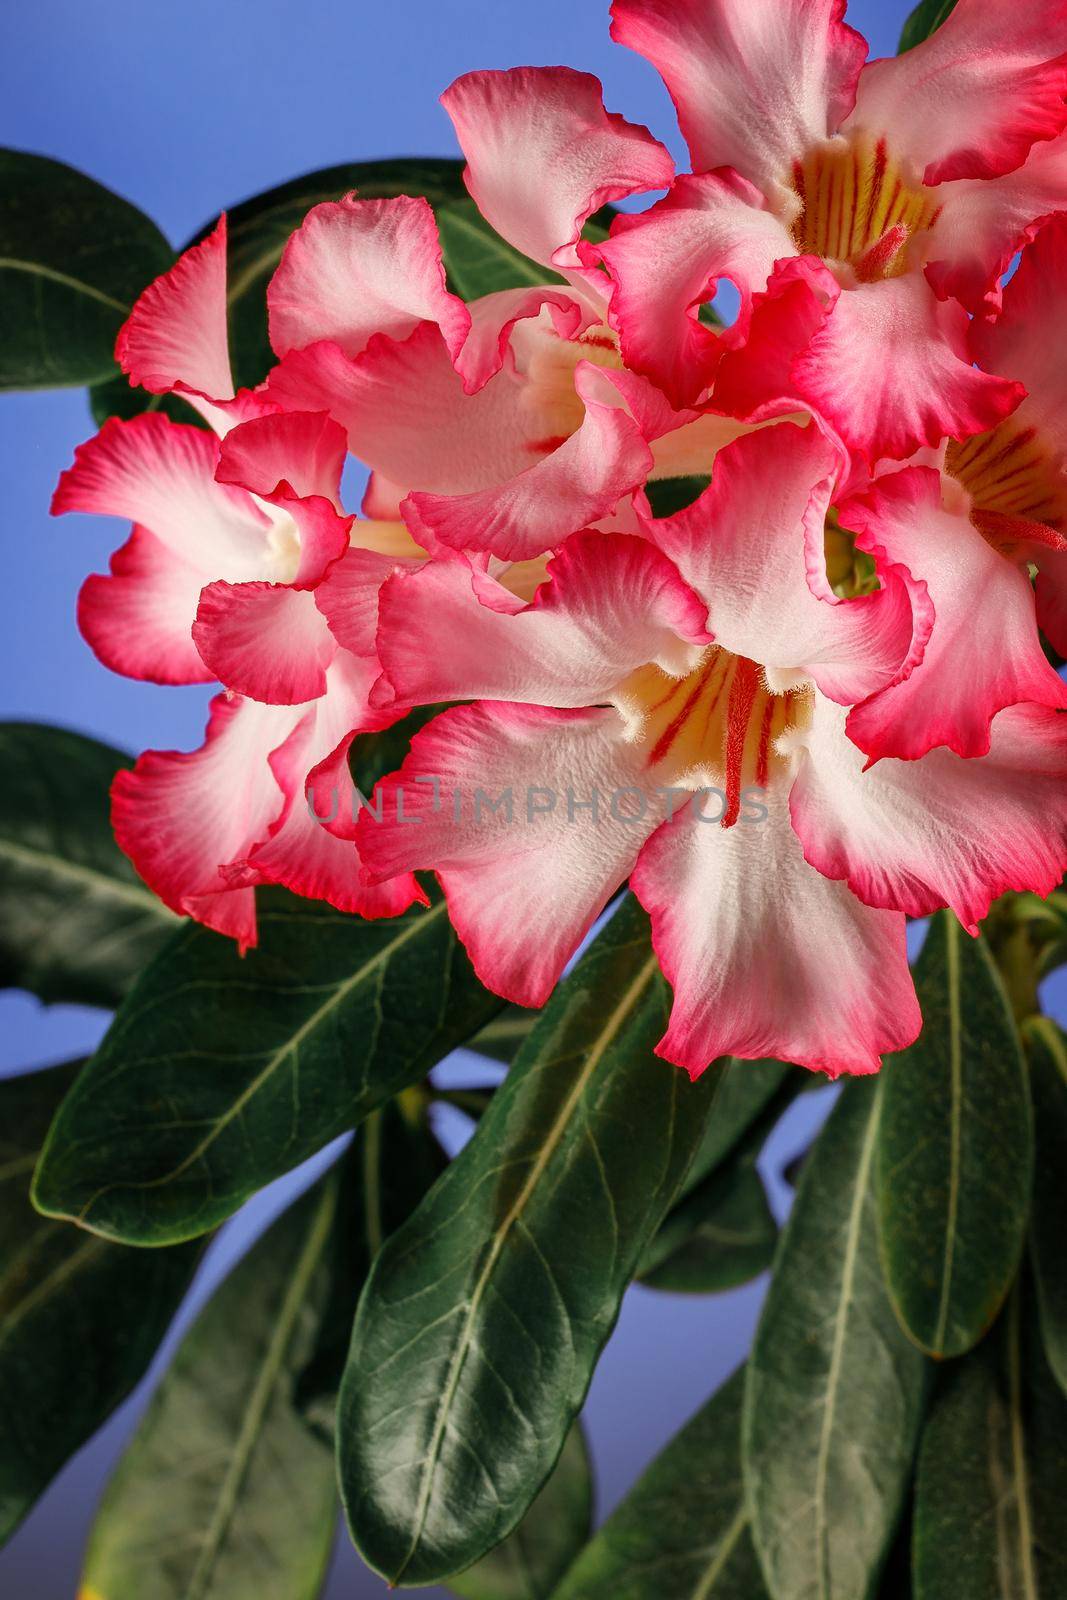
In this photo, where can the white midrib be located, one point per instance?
(292, 1044)
(459, 1355)
(848, 1273)
(952, 957)
(259, 1400)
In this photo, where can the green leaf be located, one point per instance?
(722, 1235)
(749, 1099)
(220, 1073)
(529, 1564)
(720, 1231)
(73, 258)
(924, 20)
(478, 261)
(503, 1037)
(79, 1319)
(76, 922)
(392, 1162)
(374, 755)
(835, 1389)
(224, 1493)
(668, 496)
(955, 1150)
(1046, 1047)
(483, 1317)
(993, 1473)
(683, 1529)
(118, 397)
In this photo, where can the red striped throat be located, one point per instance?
(718, 725)
(858, 206)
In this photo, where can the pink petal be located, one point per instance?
(1017, 343)
(755, 82)
(161, 474)
(355, 268)
(521, 893)
(265, 640)
(917, 835)
(300, 452)
(575, 485)
(175, 336)
(891, 370)
(765, 955)
(614, 603)
(543, 155)
(969, 672)
(348, 595)
(139, 619)
(971, 100)
(314, 855)
(182, 817)
(406, 415)
(666, 262)
(495, 316)
(983, 222)
(752, 547)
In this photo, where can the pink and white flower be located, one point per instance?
(640, 676)
(232, 537)
(858, 208)
(505, 425)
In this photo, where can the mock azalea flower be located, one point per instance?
(857, 208)
(675, 714)
(507, 424)
(232, 537)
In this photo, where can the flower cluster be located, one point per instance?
(839, 635)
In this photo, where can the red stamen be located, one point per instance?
(738, 712)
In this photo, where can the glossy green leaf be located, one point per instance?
(503, 1037)
(79, 1319)
(682, 1531)
(73, 258)
(835, 1389)
(392, 1162)
(374, 755)
(76, 922)
(225, 1493)
(923, 21)
(955, 1150)
(668, 496)
(118, 397)
(992, 1480)
(220, 1073)
(530, 1562)
(722, 1235)
(749, 1099)
(483, 1317)
(477, 260)
(1046, 1048)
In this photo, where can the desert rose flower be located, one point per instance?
(640, 680)
(507, 424)
(858, 208)
(232, 535)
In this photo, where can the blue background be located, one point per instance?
(184, 109)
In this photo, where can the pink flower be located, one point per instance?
(644, 674)
(505, 425)
(232, 537)
(849, 203)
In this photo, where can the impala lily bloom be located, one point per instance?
(847, 202)
(645, 674)
(231, 539)
(505, 425)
